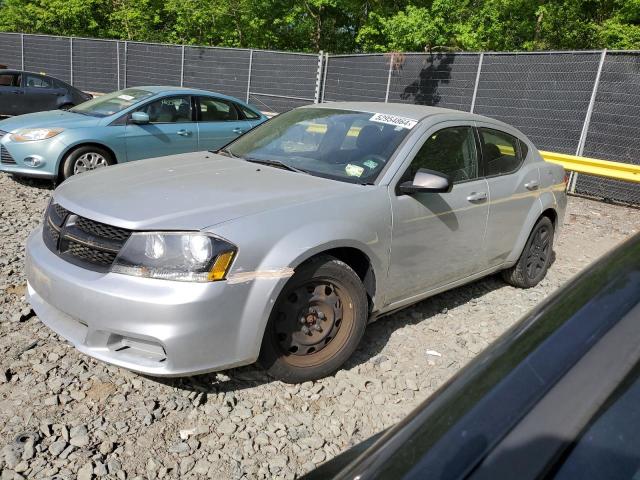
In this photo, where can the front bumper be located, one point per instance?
(48, 151)
(156, 327)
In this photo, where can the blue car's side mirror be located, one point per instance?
(140, 118)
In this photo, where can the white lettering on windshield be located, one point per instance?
(393, 120)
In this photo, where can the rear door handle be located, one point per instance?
(532, 185)
(184, 133)
(477, 197)
(238, 130)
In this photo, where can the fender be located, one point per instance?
(263, 266)
(545, 201)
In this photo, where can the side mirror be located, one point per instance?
(140, 118)
(427, 181)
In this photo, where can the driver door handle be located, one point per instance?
(532, 185)
(238, 130)
(184, 133)
(477, 197)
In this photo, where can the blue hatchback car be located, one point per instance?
(130, 124)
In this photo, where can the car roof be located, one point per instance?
(414, 112)
(11, 70)
(182, 90)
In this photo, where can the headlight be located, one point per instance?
(33, 134)
(187, 257)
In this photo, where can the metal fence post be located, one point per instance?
(71, 59)
(117, 42)
(324, 76)
(182, 67)
(22, 50)
(386, 95)
(249, 78)
(316, 98)
(475, 88)
(126, 48)
(573, 177)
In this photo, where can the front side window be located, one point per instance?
(112, 103)
(9, 80)
(344, 145)
(500, 152)
(217, 110)
(38, 82)
(451, 151)
(169, 110)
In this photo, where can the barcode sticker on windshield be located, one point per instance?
(393, 120)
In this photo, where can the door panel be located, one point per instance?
(170, 131)
(11, 94)
(438, 238)
(40, 94)
(512, 193)
(219, 122)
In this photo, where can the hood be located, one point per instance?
(53, 118)
(189, 191)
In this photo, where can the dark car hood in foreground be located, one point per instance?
(189, 191)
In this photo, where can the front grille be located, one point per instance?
(101, 229)
(89, 254)
(82, 241)
(2, 134)
(5, 157)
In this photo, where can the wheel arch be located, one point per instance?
(73, 147)
(355, 258)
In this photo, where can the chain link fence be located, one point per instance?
(584, 103)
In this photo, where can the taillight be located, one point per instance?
(567, 176)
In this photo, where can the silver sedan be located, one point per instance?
(282, 246)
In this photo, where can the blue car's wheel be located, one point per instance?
(84, 159)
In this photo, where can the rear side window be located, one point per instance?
(37, 82)
(9, 80)
(501, 152)
(451, 151)
(216, 110)
(248, 113)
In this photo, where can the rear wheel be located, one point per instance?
(83, 159)
(535, 259)
(316, 323)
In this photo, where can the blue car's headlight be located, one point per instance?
(181, 256)
(34, 134)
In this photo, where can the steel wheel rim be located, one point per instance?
(89, 161)
(538, 252)
(311, 321)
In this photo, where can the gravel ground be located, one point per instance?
(64, 415)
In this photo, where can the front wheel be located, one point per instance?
(535, 259)
(85, 158)
(316, 323)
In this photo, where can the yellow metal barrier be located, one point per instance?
(593, 166)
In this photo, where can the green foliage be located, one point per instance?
(340, 25)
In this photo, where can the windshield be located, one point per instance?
(343, 145)
(112, 103)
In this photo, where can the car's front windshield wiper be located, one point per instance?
(275, 163)
(225, 151)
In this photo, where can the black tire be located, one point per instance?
(70, 162)
(326, 297)
(535, 259)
